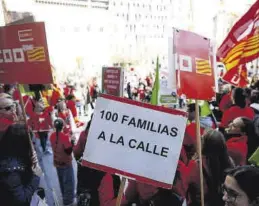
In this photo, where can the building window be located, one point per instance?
(121, 4)
(101, 29)
(114, 3)
(127, 17)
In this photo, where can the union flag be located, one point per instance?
(241, 47)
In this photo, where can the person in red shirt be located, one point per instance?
(7, 113)
(143, 194)
(190, 141)
(71, 104)
(41, 123)
(240, 109)
(226, 101)
(56, 95)
(66, 115)
(88, 179)
(62, 148)
(215, 161)
(142, 93)
(240, 140)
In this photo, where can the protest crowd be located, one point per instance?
(229, 149)
(218, 159)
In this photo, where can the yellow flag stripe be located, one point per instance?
(38, 57)
(203, 67)
(36, 54)
(251, 53)
(253, 40)
(246, 48)
(202, 64)
(35, 50)
(232, 64)
(206, 73)
(41, 57)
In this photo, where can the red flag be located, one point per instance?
(241, 47)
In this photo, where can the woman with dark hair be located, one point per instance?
(241, 141)
(241, 187)
(18, 179)
(240, 109)
(215, 162)
(62, 148)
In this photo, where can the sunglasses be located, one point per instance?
(8, 108)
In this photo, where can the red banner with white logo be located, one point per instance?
(193, 56)
(24, 56)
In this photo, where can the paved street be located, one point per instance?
(50, 180)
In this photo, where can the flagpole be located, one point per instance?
(197, 121)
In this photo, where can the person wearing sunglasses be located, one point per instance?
(241, 187)
(7, 112)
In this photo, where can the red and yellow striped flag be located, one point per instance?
(241, 46)
(37, 54)
(203, 67)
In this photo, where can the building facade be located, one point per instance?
(145, 26)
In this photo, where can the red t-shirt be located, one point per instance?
(190, 134)
(237, 149)
(40, 122)
(141, 94)
(225, 102)
(16, 95)
(235, 112)
(4, 124)
(56, 94)
(61, 158)
(72, 106)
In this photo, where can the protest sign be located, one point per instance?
(112, 82)
(193, 61)
(24, 56)
(136, 140)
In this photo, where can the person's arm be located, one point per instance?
(21, 194)
(80, 146)
(225, 119)
(106, 193)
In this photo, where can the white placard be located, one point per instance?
(136, 140)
